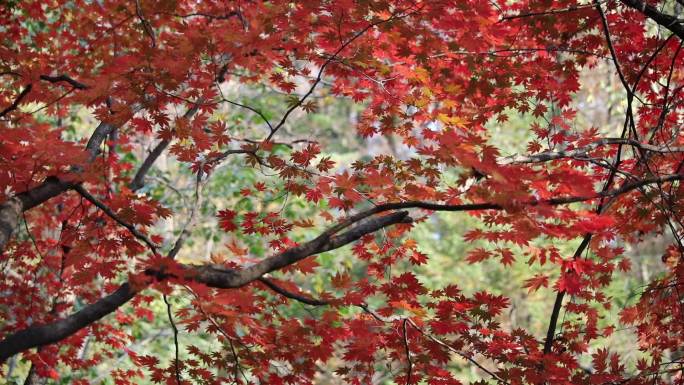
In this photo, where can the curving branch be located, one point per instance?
(288, 294)
(40, 335)
(360, 224)
(212, 276)
(223, 278)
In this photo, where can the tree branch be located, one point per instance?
(219, 277)
(583, 151)
(319, 76)
(139, 179)
(16, 101)
(545, 13)
(64, 78)
(10, 210)
(52, 332)
(309, 301)
(110, 213)
(404, 320)
(668, 21)
(27, 89)
(216, 277)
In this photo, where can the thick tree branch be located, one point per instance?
(219, 277)
(216, 277)
(64, 78)
(139, 179)
(668, 21)
(366, 222)
(40, 335)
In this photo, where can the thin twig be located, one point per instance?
(319, 77)
(175, 339)
(110, 213)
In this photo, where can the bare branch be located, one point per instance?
(139, 179)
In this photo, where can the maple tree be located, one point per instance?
(79, 226)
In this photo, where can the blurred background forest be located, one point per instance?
(440, 237)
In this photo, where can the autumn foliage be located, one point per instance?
(84, 254)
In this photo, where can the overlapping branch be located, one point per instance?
(361, 224)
